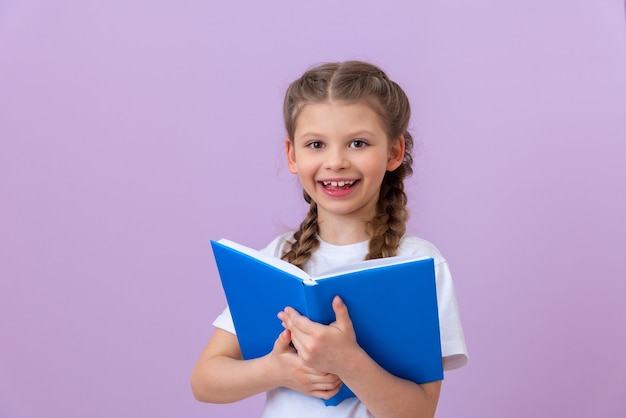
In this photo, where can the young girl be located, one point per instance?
(348, 143)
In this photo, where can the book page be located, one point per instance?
(267, 259)
(366, 264)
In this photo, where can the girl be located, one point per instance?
(348, 143)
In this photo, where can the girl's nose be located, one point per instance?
(336, 160)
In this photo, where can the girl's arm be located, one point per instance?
(334, 349)
(222, 376)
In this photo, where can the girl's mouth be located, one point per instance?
(338, 188)
(342, 184)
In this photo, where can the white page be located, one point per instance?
(367, 264)
(291, 269)
(268, 259)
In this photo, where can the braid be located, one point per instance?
(305, 237)
(389, 223)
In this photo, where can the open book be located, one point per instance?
(392, 303)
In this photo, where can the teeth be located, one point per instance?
(338, 183)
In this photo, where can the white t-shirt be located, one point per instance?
(286, 403)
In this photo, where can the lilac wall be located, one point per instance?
(132, 132)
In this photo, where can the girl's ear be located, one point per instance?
(291, 156)
(396, 154)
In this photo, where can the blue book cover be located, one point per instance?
(392, 303)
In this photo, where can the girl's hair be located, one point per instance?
(351, 82)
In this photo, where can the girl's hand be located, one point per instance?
(297, 376)
(323, 347)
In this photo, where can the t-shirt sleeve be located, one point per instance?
(225, 321)
(453, 347)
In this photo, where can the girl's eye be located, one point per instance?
(315, 144)
(358, 143)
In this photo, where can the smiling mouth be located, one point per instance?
(342, 184)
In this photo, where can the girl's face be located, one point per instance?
(340, 153)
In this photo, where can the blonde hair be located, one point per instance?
(351, 82)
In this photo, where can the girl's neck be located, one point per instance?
(343, 231)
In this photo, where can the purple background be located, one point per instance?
(132, 132)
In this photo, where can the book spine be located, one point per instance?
(319, 304)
